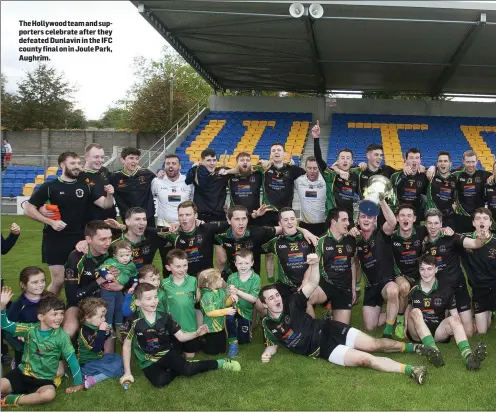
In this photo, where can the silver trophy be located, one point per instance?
(378, 185)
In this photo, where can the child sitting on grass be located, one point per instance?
(96, 365)
(243, 287)
(122, 261)
(181, 293)
(46, 342)
(214, 307)
(151, 338)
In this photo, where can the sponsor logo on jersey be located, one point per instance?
(470, 189)
(295, 257)
(174, 198)
(341, 260)
(244, 188)
(368, 257)
(346, 190)
(410, 192)
(191, 252)
(408, 254)
(312, 194)
(289, 336)
(277, 181)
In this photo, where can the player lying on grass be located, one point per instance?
(427, 321)
(288, 324)
(45, 343)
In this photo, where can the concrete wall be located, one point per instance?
(317, 106)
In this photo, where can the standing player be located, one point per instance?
(480, 266)
(447, 250)
(72, 198)
(490, 197)
(441, 188)
(341, 186)
(291, 249)
(133, 185)
(428, 305)
(210, 187)
(288, 325)
(375, 253)
(311, 189)
(336, 251)
(246, 185)
(409, 188)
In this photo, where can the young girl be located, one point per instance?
(214, 307)
(32, 281)
(122, 260)
(181, 292)
(95, 365)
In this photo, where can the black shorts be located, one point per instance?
(462, 297)
(215, 343)
(333, 334)
(55, 249)
(373, 294)
(484, 299)
(340, 298)
(285, 290)
(270, 218)
(317, 229)
(22, 384)
(432, 329)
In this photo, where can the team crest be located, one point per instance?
(442, 248)
(199, 238)
(419, 184)
(79, 192)
(146, 250)
(252, 179)
(438, 301)
(349, 249)
(287, 319)
(304, 245)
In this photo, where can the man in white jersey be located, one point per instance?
(311, 189)
(170, 190)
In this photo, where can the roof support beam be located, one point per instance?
(309, 25)
(164, 31)
(457, 57)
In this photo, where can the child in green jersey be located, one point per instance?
(95, 364)
(181, 294)
(243, 287)
(122, 260)
(214, 307)
(31, 383)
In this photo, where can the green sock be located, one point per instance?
(232, 340)
(464, 348)
(400, 318)
(429, 341)
(12, 399)
(220, 362)
(408, 348)
(407, 369)
(388, 330)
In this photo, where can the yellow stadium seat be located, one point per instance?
(28, 189)
(39, 179)
(51, 171)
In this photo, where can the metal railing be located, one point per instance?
(149, 156)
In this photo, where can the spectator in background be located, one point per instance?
(8, 152)
(11, 240)
(3, 156)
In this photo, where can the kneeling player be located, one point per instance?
(288, 324)
(427, 321)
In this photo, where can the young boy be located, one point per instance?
(427, 321)
(244, 287)
(151, 338)
(45, 343)
(181, 294)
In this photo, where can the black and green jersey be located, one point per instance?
(253, 239)
(97, 179)
(470, 191)
(213, 300)
(251, 286)
(278, 186)
(292, 252)
(294, 329)
(447, 251)
(490, 199)
(91, 341)
(198, 245)
(336, 259)
(181, 300)
(143, 250)
(433, 304)
(376, 257)
(406, 252)
(409, 189)
(441, 193)
(480, 264)
(80, 275)
(152, 340)
(246, 190)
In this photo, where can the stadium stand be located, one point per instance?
(431, 134)
(230, 133)
(24, 180)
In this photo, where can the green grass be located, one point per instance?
(287, 382)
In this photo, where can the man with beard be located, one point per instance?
(441, 189)
(71, 198)
(447, 251)
(170, 191)
(480, 266)
(245, 186)
(133, 185)
(409, 188)
(341, 185)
